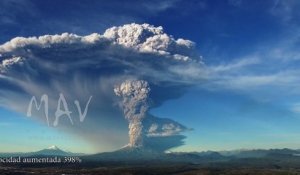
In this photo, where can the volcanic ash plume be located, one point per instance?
(135, 95)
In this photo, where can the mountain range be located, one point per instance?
(135, 154)
(50, 151)
(140, 154)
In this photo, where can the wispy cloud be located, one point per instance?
(236, 64)
(11, 10)
(159, 6)
(287, 11)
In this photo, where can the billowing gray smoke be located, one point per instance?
(135, 105)
(91, 65)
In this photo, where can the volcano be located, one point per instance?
(51, 151)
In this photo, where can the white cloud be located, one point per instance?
(147, 38)
(143, 38)
(6, 63)
(47, 41)
(166, 129)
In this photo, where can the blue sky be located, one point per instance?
(252, 48)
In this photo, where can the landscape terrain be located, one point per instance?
(134, 161)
